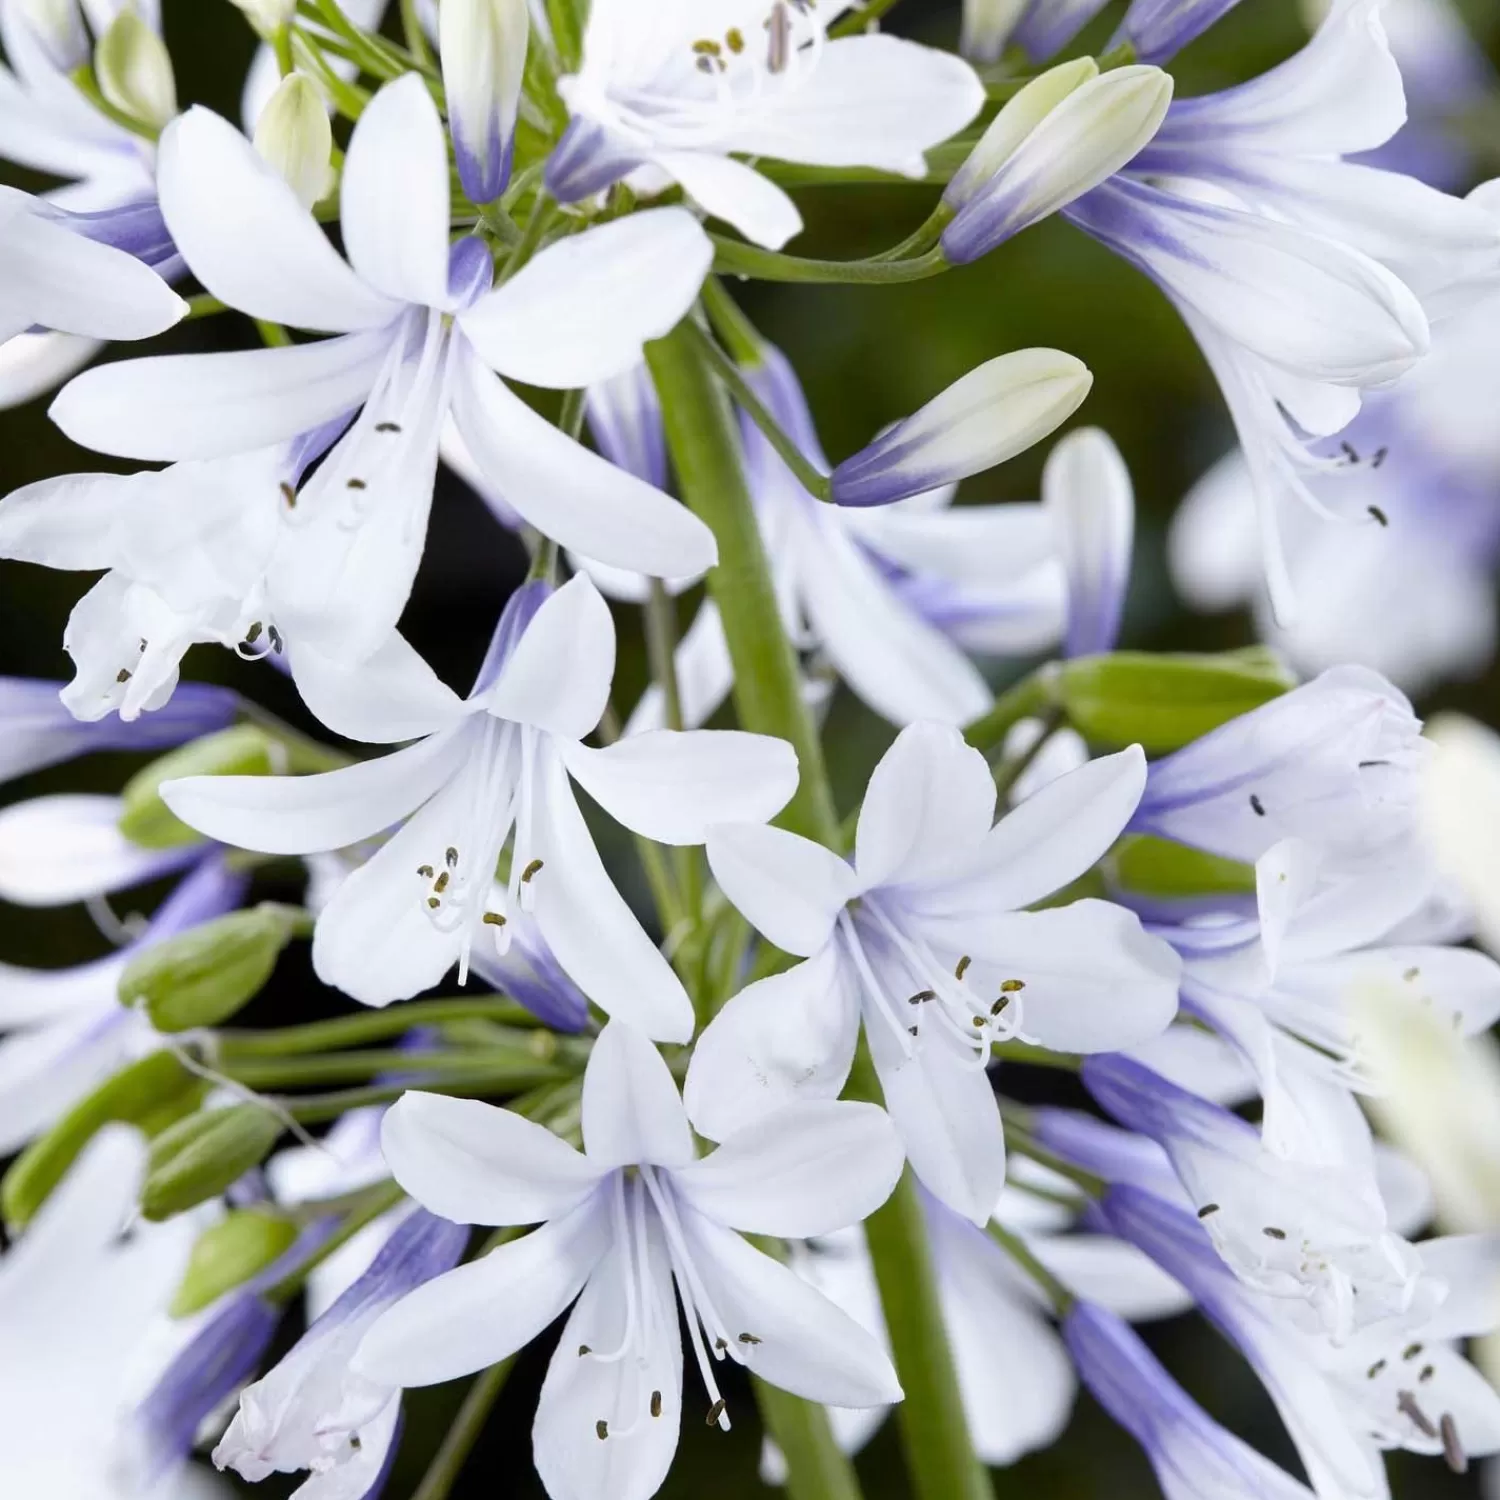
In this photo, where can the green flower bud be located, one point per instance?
(295, 137)
(151, 1094)
(1149, 866)
(1163, 702)
(203, 976)
(228, 1254)
(200, 1157)
(134, 70)
(243, 750)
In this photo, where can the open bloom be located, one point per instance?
(499, 760)
(1307, 279)
(925, 936)
(674, 95)
(620, 1225)
(419, 331)
(78, 1302)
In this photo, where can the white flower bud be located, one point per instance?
(134, 69)
(987, 27)
(294, 136)
(1014, 123)
(267, 16)
(1096, 129)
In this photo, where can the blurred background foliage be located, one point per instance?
(867, 356)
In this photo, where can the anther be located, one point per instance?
(714, 1413)
(1350, 452)
(253, 634)
(493, 919)
(722, 1345)
(1410, 975)
(707, 47)
(1208, 1210)
(1406, 1404)
(357, 484)
(1257, 806)
(275, 639)
(962, 967)
(1379, 514)
(748, 1338)
(922, 996)
(289, 493)
(912, 1030)
(1271, 1232)
(425, 871)
(450, 857)
(1411, 1351)
(530, 871)
(1379, 457)
(999, 1005)
(1453, 1451)
(601, 1429)
(1428, 1371)
(387, 427)
(979, 1022)
(1375, 1369)
(584, 1349)
(433, 902)
(735, 39)
(1011, 986)
(355, 1441)
(122, 675)
(441, 883)
(655, 1403)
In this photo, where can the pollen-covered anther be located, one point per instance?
(715, 1412)
(655, 1403)
(1271, 1232)
(922, 997)
(531, 871)
(601, 1429)
(962, 966)
(493, 919)
(1208, 1210)
(748, 1338)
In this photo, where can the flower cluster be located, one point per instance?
(735, 1099)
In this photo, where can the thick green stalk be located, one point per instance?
(705, 451)
(368, 1026)
(444, 1470)
(735, 258)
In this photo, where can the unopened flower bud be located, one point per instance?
(200, 1157)
(1020, 116)
(483, 43)
(992, 414)
(1086, 488)
(58, 26)
(152, 1093)
(243, 750)
(1158, 29)
(1096, 129)
(134, 69)
(987, 25)
(228, 1254)
(267, 16)
(294, 135)
(203, 976)
(1049, 25)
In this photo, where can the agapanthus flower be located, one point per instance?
(621, 1223)
(925, 940)
(501, 760)
(420, 329)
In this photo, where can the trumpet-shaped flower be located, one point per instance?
(926, 938)
(676, 95)
(419, 331)
(501, 760)
(621, 1224)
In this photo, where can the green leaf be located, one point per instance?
(1163, 702)
(152, 1094)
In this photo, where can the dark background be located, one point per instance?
(867, 356)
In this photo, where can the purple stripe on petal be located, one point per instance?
(586, 161)
(1118, 1156)
(471, 271)
(518, 613)
(136, 228)
(421, 1247)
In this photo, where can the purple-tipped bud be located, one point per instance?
(1049, 25)
(483, 43)
(1158, 29)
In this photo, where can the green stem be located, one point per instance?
(923, 237)
(281, 43)
(204, 305)
(704, 445)
(736, 332)
(369, 1026)
(319, 1109)
(735, 258)
(449, 1460)
(1030, 698)
(1014, 1246)
(940, 1458)
(506, 1067)
(812, 479)
(416, 38)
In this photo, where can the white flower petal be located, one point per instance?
(558, 675)
(1112, 1273)
(210, 405)
(58, 849)
(807, 1169)
(734, 192)
(582, 309)
(786, 1038)
(33, 363)
(570, 494)
(930, 802)
(48, 1069)
(307, 814)
(790, 889)
(978, 545)
(472, 1163)
(247, 237)
(632, 1113)
(394, 198)
(805, 1344)
(482, 1312)
(673, 787)
(592, 932)
(389, 697)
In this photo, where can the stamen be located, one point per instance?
(1411, 1351)
(530, 872)
(387, 427)
(1271, 1232)
(1406, 1404)
(1375, 1369)
(655, 1403)
(601, 1427)
(715, 1413)
(1257, 806)
(962, 967)
(289, 493)
(1379, 514)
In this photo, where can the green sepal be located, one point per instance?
(152, 1094)
(200, 1157)
(1163, 702)
(1149, 866)
(203, 976)
(228, 1254)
